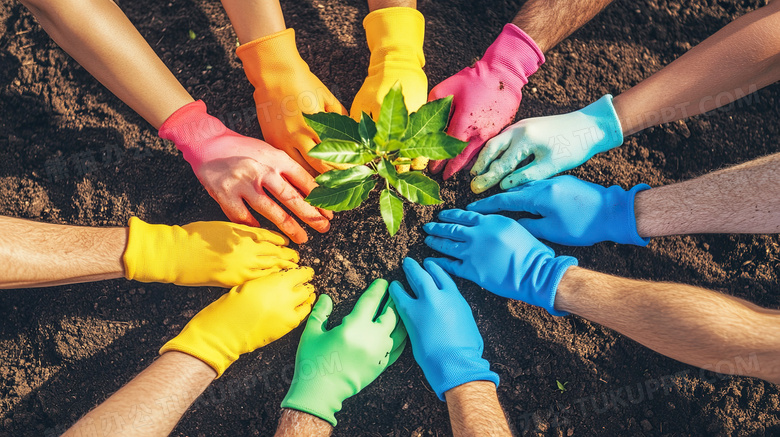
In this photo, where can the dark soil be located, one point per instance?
(65, 349)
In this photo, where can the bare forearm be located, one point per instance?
(152, 403)
(741, 58)
(113, 51)
(253, 19)
(475, 411)
(294, 423)
(381, 4)
(690, 324)
(38, 254)
(548, 22)
(740, 199)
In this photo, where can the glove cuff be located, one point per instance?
(629, 218)
(454, 368)
(272, 58)
(559, 266)
(516, 52)
(606, 118)
(189, 128)
(192, 341)
(395, 35)
(144, 239)
(321, 400)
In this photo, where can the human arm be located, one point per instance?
(227, 164)
(395, 32)
(739, 59)
(448, 347)
(475, 411)
(113, 51)
(488, 94)
(294, 423)
(285, 87)
(218, 254)
(736, 200)
(152, 403)
(703, 328)
(246, 318)
(332, 365)
(36, 254)
(736, 61)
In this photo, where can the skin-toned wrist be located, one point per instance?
(567, 296)
(294, 423)
(193, 367)
(254, 19)
(474, 410)
(373, 5)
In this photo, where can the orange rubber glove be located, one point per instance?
(246, 318)
(395, 37)
(285, 88)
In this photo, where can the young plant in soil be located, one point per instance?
(375, 149)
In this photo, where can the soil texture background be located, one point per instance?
(65, 349)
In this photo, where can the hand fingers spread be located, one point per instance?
(466, 218)
(418, 278)
(448, 247)
(532, 172)
(439, 276)
(236, 211)
(368, 304)
(292, 199)
(273, 212)
(450, 231)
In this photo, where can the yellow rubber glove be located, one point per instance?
(395, 37)
(284, 89)
(218, 254)
(248, 317)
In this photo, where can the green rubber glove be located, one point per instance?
(333, 365)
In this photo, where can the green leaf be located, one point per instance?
(393, 117)
(431, 117)
(334, 178)
(561, 386)
(418, 188)
(436, 145)
(367, 129)
(333, 126)
(342, 152)
(343, 197)
(192, 35)
(387, 170)
(392, 208)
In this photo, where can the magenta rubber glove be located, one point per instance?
(235, 169)
(488, 94)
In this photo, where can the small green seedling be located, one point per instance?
(561, 385)
(192, 35)
(375, 148)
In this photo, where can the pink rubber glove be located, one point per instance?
(488, 94)
(234, 168)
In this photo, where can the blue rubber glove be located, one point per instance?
(574, 212)
(445, 340)
(499, 255)
(558, 143)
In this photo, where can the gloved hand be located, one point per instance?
(333, 365)
(395, 37)
(574, 212)
(445, 339)
(558, 143)
(234, 168)
(246, 318)
(488, 94)
(499, 255)
(217, 254)
(285, 88)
